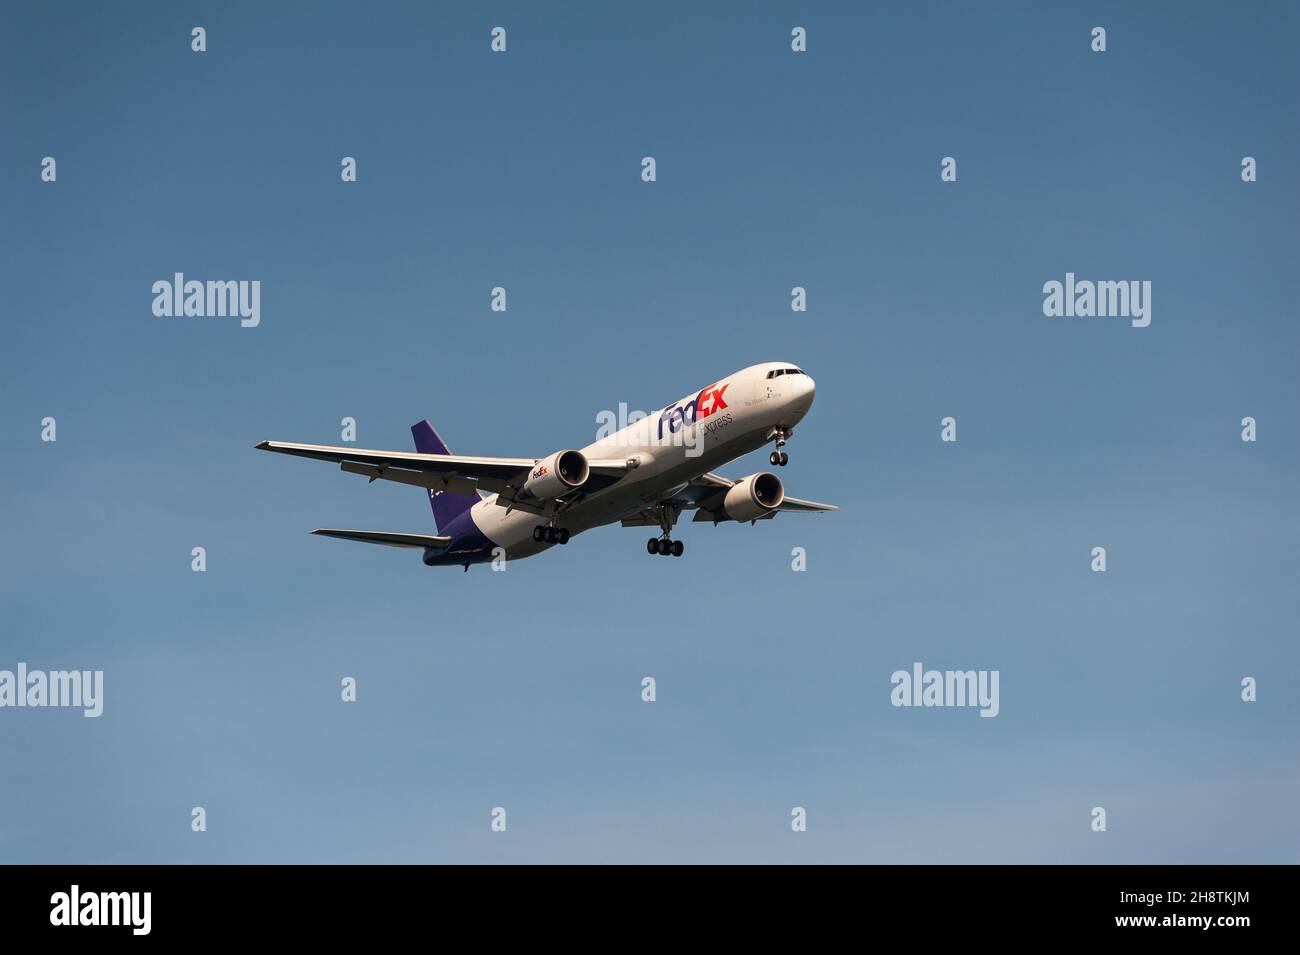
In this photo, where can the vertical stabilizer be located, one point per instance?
(446, 506)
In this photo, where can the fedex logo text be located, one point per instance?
(707, 402)
(540, 472)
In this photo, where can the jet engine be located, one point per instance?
(752, 497)
(557, 475)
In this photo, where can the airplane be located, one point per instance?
(645, 475)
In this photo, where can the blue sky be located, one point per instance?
(522, 689)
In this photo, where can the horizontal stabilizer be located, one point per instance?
(387, 538)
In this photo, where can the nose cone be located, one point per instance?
(800, 391)
(805, 390)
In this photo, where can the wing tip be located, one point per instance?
(262, 446)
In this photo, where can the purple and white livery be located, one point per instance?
(645, 475)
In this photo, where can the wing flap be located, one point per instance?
(642, 519)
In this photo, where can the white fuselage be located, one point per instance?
(671, 447)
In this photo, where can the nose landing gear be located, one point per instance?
(779, 458)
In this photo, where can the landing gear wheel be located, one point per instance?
(652, 546)
(564, 535)
(778, 457)
(678, 547)
(665, 547)
(539, 532)
(551, 535)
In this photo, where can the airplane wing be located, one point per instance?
(711, 510)
(716, 486)
(705, 493)
(799, 504)
(439, 472)
(386, 538)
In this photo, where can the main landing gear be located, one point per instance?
(664, 546)
(548, 534)
(779, 458)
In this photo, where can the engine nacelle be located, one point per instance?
(557, 475)
(752, 497)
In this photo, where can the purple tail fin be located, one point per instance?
(446, 506)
